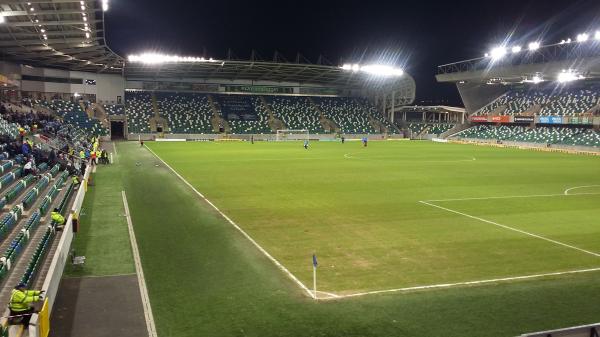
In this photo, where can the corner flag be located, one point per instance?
(315, 276)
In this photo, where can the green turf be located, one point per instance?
(358, 208)
(103, 237)
(205, 279)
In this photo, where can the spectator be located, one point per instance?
(20, 300)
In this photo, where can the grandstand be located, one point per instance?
(201, 225)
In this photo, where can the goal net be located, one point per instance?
(285, 135)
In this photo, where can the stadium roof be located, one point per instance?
(69, 34)
(57, 33)
(546, 61)
(259, 71)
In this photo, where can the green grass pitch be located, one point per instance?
(361, 214)
(361, 211)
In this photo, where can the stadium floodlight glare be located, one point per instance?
(374, 69)
(568, 76)
(597, 35)
(516, 49)
(534, 46)
(104, 5)
(2, 18)
(582, 37)
(156, 58)
(498, 53)
(381, 70)
(535, 79)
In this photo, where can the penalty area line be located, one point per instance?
(246, 235)
(512, 229)
(578, 187)
(513, 196)
(466, 283)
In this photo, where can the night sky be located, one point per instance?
(416, 35)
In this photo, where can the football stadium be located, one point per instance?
(165, 194)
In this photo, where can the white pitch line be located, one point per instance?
(466, 283)
(512, 197)
(350, 156)
(246, 235)
(578, 187)
(140, 273)
(512, 229)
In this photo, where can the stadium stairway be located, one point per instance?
(326, 123)
(274, 123)
(217, 119)
(456, 129)
(378, 126)
(96, 111)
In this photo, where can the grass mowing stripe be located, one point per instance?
(140, 273)
(102, 235)
(260, 248)
(512, 229)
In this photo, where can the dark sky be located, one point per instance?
(417, 35)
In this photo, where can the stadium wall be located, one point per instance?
(59, 259)
(107, 88)
(247, 137)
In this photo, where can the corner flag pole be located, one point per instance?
(315, 275)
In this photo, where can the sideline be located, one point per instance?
(260, 248)
(140, 273)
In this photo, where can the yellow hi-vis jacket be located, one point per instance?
(75, 180)
(59, 219)
(82, 154)
(19, 300)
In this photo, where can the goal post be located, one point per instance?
(290, 135)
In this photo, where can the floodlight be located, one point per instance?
(2, 18)
(536, 79)
(597, 35)
(486, 55)
(534, 46)
(355, 67)
(154, 58)
(582, 37)
(104, 5)
(568, 76)
(516, 49)
(498, 53)
(347, 66)
(87, 35)
(381, 70)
